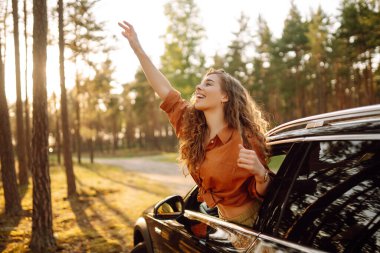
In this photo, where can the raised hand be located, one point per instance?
(129, 33)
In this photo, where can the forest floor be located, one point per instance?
(100, 219)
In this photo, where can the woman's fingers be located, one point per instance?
(245, 161)
(247, 158)
(122, 25)
(247, 155)
(128, 24)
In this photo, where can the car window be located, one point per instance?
(275, 162)
(333, 204)
(277, 157)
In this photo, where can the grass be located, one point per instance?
(100, 219)
(275, 162)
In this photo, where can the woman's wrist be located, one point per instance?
(263, 177)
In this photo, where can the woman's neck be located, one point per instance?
(215, 122)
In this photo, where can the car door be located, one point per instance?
(198, 232)
(326, 197)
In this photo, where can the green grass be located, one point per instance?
(275, 162)
(100, 219)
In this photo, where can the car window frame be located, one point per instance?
(273, 191)
(263, 226)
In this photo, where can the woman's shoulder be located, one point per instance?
(174, 101)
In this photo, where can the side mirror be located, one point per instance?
(169, 208)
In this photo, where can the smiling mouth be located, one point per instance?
(199, 96)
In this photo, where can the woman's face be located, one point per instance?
(209, 94)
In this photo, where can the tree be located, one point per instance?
(21, 148)
(27, 117)
(55, 128)
(359, 20)
(293, 46)
(8, 171)
(67, 155)
(183, 62)
(85, 39)
(266, 85)
(42, 226)
(318, 62)
(96, 93)
(236, 58)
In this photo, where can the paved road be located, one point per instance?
(169, 174)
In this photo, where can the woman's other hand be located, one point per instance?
(249, 160)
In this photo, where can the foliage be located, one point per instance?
(183, 62)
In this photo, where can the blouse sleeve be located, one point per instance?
(175, 107)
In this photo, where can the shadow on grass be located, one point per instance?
(89, 167)
(116, 211)
(78, 205)
(8, 224)
(23, 190)
(99, 195)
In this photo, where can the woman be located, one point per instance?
(221, 138)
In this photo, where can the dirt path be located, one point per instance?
(169, 174)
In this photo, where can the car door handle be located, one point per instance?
(157, 230)
(202, 242)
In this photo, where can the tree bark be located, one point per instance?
(21, 148)
(27, 117)
(91, 149)
(42, 226)
(77, 128)
(58, 137)
(8, 171)
(67, 154)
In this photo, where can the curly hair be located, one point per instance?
(240, 113)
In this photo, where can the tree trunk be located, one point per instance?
(21, 150)
(77, 128)
(8, 171)
(67, 155)
(27, 117)
(115, 139)
(58, 137)
(91, 149)
(42, 226)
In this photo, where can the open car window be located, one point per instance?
(277, 157)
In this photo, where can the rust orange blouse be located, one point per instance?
(219, 178)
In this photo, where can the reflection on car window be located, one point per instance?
(278, 154)
(334, 202)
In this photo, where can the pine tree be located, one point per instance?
(21, 145)
(183, 61)
(67, 154)
(8, 171)
(42, 219)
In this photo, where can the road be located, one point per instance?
(169, 174)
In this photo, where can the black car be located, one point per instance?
(325, 195)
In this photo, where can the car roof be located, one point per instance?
(355, 122)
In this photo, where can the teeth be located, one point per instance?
(200, 96)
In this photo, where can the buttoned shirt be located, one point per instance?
(219, 178)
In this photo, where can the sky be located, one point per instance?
(219, 19)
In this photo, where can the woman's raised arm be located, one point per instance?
(156, 79)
